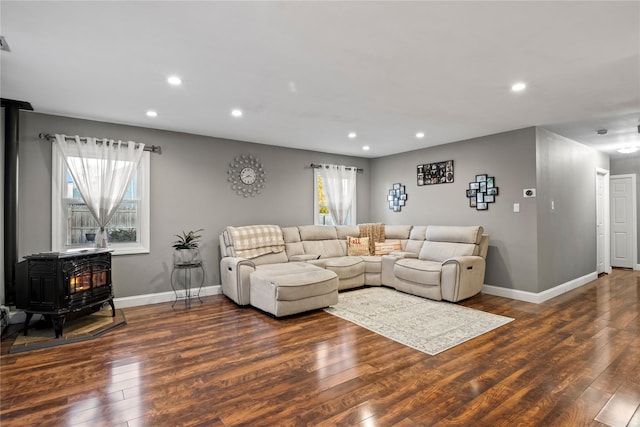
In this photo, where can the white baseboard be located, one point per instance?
(537, 298)
(157, 298)
(19, 316)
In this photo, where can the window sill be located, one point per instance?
(129, 251)
(117, 250)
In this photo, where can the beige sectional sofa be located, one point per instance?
(288, 270)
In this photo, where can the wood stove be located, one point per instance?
(59, 284)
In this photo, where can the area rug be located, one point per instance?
(428, 326)
(80, 329)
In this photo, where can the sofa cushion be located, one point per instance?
(387, 247)
(413, 246)
(347, 230)
(454, 234)
(418, 232)
(345, 267)
(418, 271)
(442, 251)
(295, 284)
(372, 264)
(444, 242)
(317, 232)
(357, 246)
(397, 231)
(294, 249)
(325, 248)
(291, 234)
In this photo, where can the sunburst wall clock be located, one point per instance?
(246, 175)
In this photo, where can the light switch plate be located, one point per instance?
(529, 192)
(516, 207)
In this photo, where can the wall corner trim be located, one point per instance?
(540, 297)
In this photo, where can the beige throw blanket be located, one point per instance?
(375, 233)
(251, 241)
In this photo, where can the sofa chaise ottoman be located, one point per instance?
(292, 288)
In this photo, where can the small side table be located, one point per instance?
(189, 288)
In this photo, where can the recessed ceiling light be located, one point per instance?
(236, 112)
(174, 80)
(629, 150)
(152, 113)
(352, 135)
(420, 135)
(366, 147)
(518, 87)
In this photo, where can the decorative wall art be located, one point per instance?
(246, 175)
(435, 173)
(397, 197)
(481, 192)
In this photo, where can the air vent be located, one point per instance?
(3, 44)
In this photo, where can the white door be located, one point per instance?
(602, 221)
(623, 220)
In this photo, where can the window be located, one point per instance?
(74, 227)
(321, 214)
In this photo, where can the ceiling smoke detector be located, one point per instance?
(4, 45)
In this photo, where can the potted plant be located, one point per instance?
(186, 247)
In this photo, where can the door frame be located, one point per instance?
(606, 221)
(634, 218)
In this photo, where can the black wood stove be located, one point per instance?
(59, 284)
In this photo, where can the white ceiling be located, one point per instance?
(308, 73)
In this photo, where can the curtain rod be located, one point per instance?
(315, 166)
(48, 137)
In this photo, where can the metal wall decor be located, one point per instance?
(246, 175)
(435, 173)
(397, 197)
(482, 191)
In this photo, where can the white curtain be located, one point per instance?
(101, 170)
(339, 184)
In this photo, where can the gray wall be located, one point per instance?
(566, 176)
(189, 190)
(627, 166)
(532, 250)
(511, 158)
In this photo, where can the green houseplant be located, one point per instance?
(186, 247)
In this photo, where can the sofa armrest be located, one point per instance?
(462, 277)
(234, 274)
(387, 277)
(403, 254)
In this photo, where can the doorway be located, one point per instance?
(603, 248)
(623, 221)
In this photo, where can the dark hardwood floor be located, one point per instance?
(571, 361)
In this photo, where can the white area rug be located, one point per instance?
(425, 325)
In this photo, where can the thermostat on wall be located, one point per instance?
(529, 192)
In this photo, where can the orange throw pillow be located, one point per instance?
(387, 247)
(357, 246)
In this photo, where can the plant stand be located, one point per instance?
(187, 285)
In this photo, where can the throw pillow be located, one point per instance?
(357, 246)
(387, 247)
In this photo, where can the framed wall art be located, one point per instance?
(482, 192)
(435, 173)
(397, 197)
